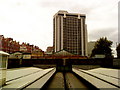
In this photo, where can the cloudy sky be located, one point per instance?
(31, 21)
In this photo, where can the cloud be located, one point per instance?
(32, 20)
(110, 33)
(56, 3)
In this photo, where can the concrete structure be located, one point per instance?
(99, 56)
(90, 47)
(49, 50)
(30, 77)
(100, 77)
(116, 62)
(3, 67)
(70, 33)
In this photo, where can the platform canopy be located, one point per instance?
(3, 53)
(63, 53)
(17, 53)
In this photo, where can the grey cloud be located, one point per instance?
(56, 3)
(110, 33)
(69, 5)
(81, 9)
(72, 6)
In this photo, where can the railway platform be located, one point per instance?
(100, 77)
(20, 78)
(47, 79)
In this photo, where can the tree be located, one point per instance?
(102, 46)
(118, 50)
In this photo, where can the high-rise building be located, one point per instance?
(70, 33)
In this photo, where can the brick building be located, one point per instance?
(27, 48)
(10, 46)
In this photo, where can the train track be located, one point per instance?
(57, 81)
(67, 81)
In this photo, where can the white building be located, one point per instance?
(70, 33)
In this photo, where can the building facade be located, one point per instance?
(10, 46)
(27, 48)
(70, 33)
(90, 47)
(49, 50)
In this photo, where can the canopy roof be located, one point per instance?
(63, 53)
(18, 53)
(3, 53)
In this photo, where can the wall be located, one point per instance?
(15, 63)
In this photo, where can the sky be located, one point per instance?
(31, 21)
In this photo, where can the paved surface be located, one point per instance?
(20, 72)
(39, 83)
(86, 67)
(100, 77)
(19, 78)
(114, 81)
(93, 80)
(108, 72)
